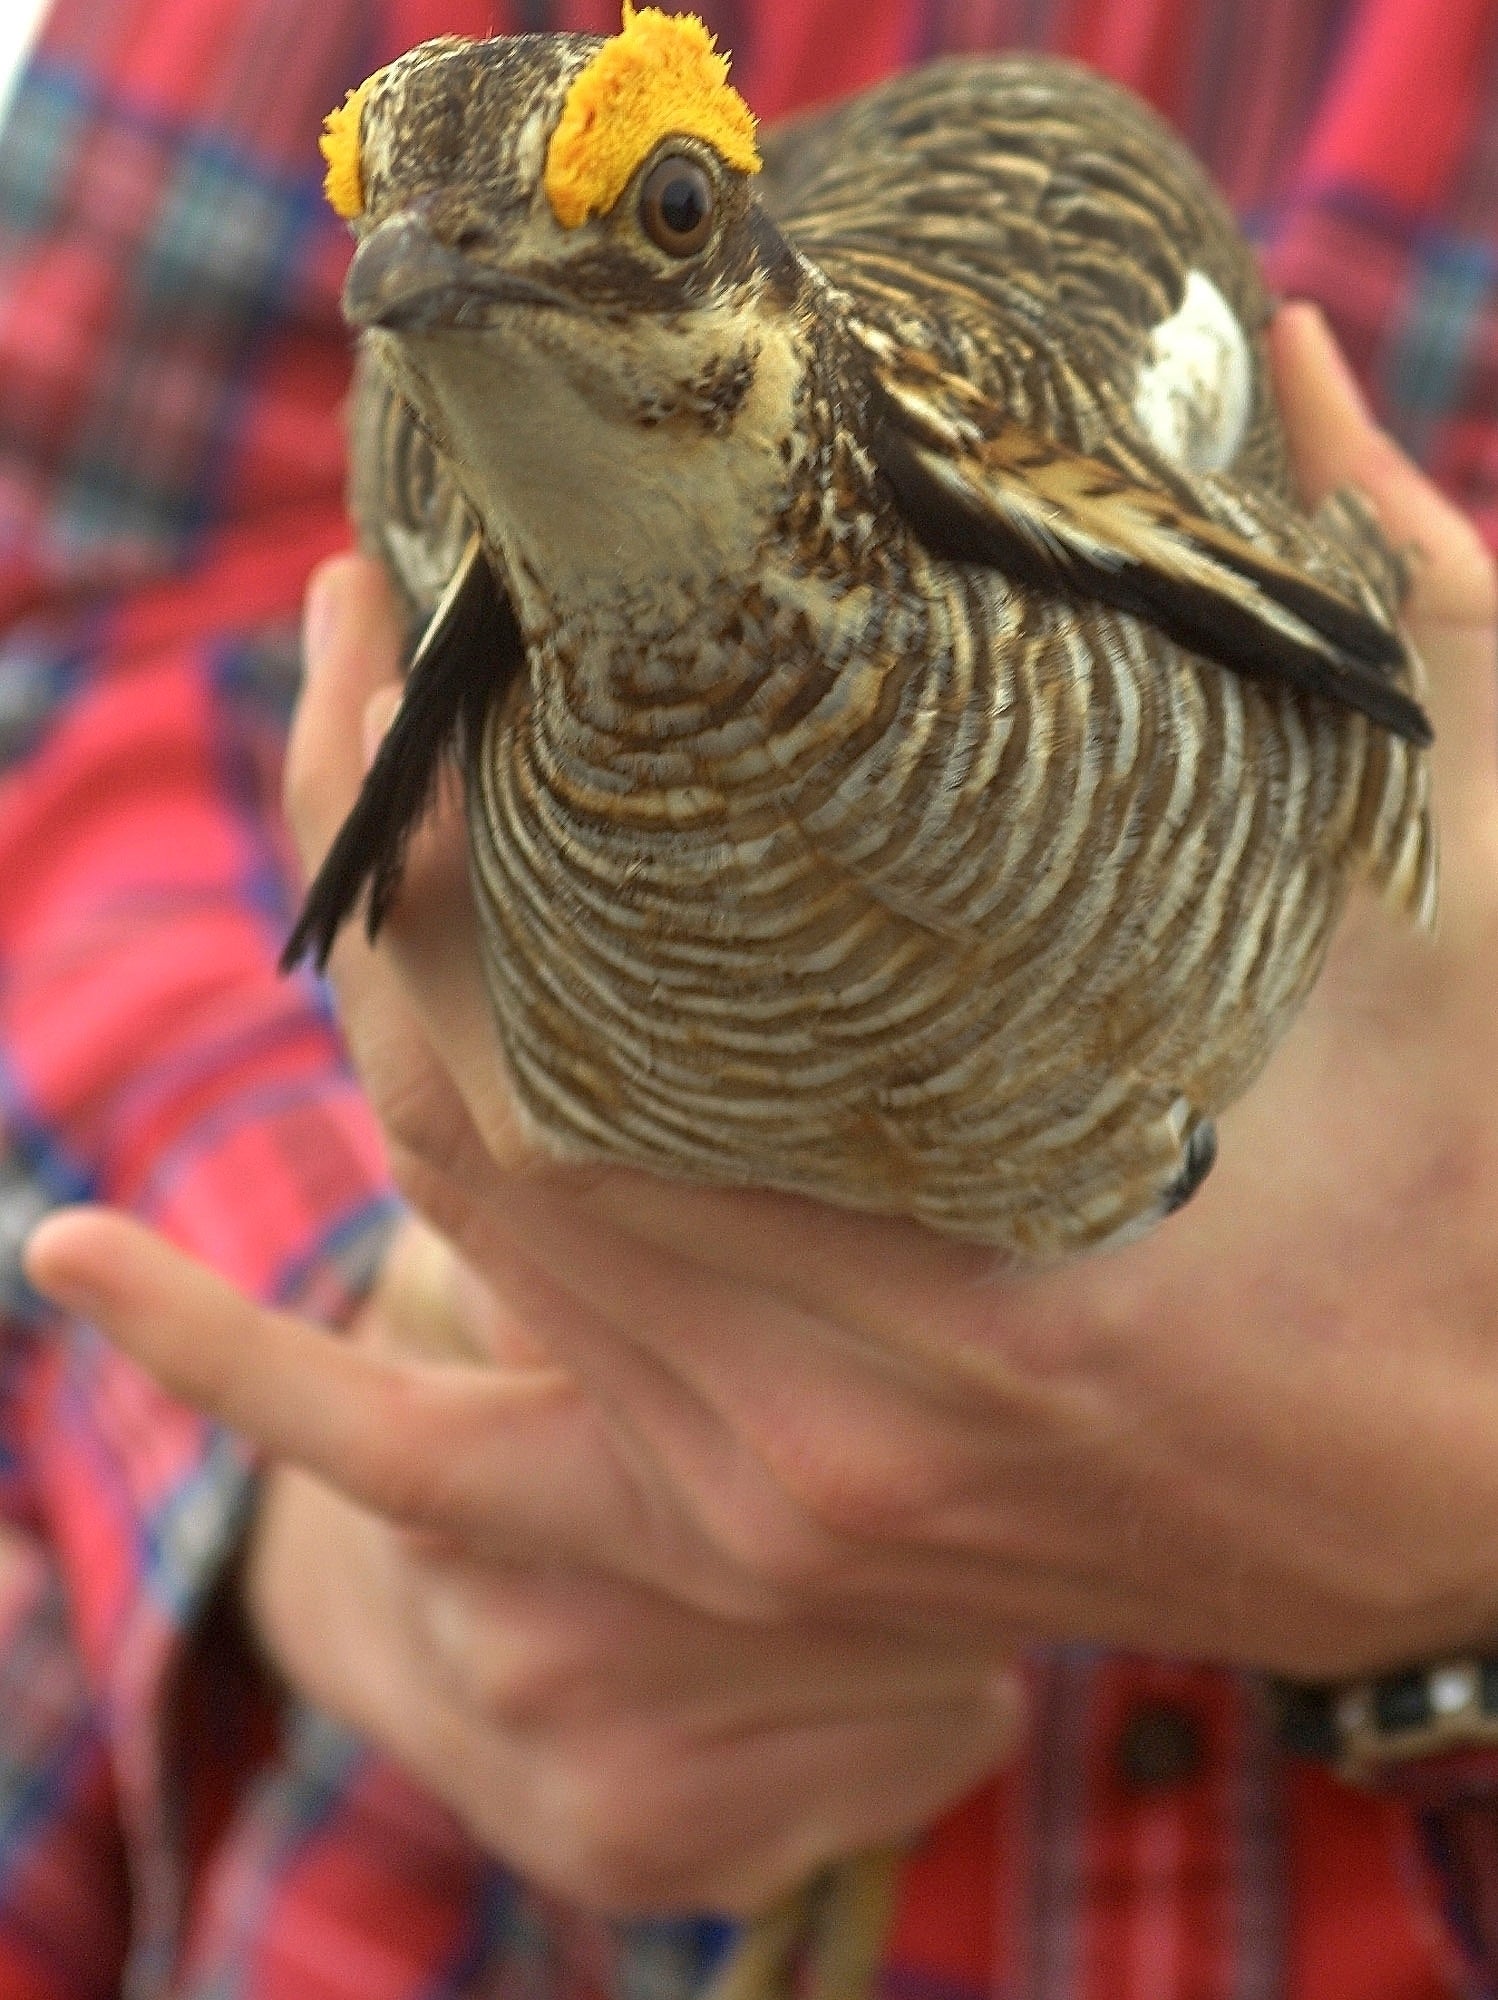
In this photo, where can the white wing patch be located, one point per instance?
(1195, 387)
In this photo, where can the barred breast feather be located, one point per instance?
(966, 845)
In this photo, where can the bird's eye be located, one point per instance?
(676, 205)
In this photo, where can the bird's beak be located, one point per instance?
(405, 279)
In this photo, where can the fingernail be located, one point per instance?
(379, 711)
(64, 1288)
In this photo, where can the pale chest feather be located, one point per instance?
(966, 905)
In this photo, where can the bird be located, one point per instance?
(917, 745)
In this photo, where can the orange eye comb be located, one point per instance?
(660, 75)
(343, 184)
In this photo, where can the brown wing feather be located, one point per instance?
(977, 488)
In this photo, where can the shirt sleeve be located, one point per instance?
(170, 469)
(154, 1058)
(64, 1893)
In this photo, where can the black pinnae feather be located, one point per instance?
(470, 652)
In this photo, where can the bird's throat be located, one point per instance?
(622, 484)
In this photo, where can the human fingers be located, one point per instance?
(641, 1823)
(642, 1482)
(516, 1465)
(622, 1790)
(798, 1445)
(1335, 442)
(322, 1598)
(508, 1459)
(352, 645)
(852, 1271)
(418, 1019)
(1452, 613)
(431, 944)
(618, 1802)
(547, 1650)
(353, 642)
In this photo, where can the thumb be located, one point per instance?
(1452, 613)
(1335, 442)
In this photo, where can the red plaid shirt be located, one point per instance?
(171, 358)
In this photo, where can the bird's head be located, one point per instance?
(562, 259)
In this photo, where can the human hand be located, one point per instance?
(1261, 1435)
(618, 1749)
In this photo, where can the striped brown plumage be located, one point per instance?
(951, 821)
